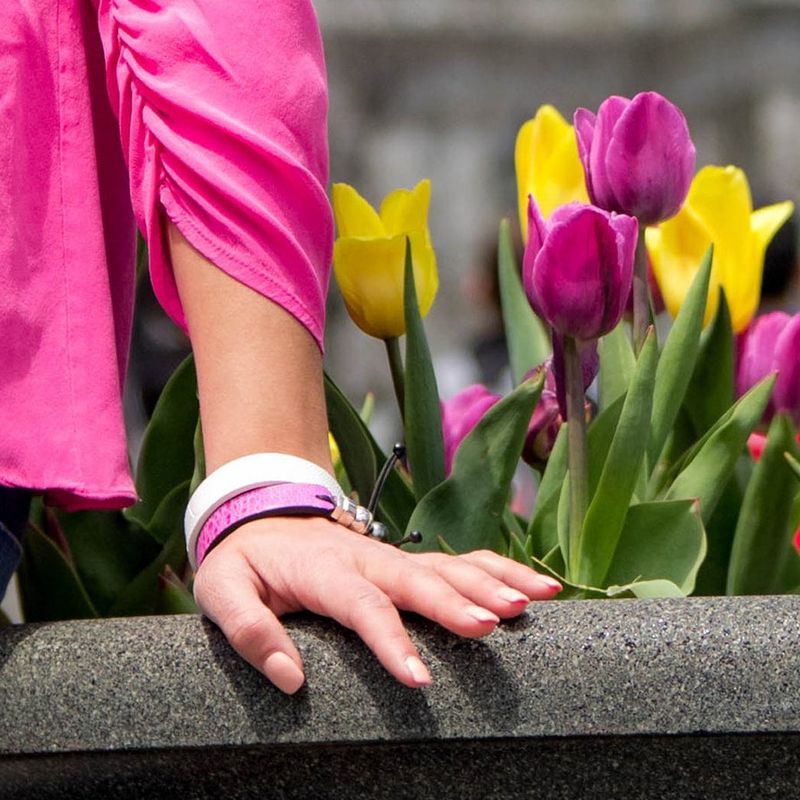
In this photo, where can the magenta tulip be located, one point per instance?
(637, 155)
(772, 344)
(578, 268)
(460, 415)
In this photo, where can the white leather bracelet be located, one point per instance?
(242, 475)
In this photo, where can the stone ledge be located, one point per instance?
(709, 689)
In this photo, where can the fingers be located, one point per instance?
(535, 585)
(359, 605)
(252, 629)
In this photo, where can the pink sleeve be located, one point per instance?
(222, 108)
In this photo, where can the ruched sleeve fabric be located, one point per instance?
(117, 112)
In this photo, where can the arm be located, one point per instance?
(257, 368)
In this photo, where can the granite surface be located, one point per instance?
(699, 693)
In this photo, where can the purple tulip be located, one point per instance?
(460, 415)
(578, 268)
(638, 156)
(771, 344)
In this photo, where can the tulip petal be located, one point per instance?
(403, 210)
(786, 395)
(600, 189)
(757, 350)
(676, 249)
(767, 221)
(523, 164)
(460, 415)
(354, 215)
(576, 273)
(627, 231)
(585, 122)
(650, 159)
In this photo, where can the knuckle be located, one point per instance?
(245, 632)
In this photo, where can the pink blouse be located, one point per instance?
(212, 113)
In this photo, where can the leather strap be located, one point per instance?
(285, 499)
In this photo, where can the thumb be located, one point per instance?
(251, 628)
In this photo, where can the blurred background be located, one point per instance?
(439, 88)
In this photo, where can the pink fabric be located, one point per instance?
(221, 111)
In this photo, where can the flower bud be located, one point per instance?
(771, 344)
(637, 155)
(578, 268)
(460, 415)
(370, 254)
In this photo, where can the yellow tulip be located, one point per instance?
(548, 165)
(718, 210)
(369, 256)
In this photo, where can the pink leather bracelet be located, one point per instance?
(283, 499)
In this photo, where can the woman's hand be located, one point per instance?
(270, 567)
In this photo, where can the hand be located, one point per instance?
(274, 566)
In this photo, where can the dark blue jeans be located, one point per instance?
(14, 507)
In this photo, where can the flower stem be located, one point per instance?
(398, 373)
(576, 441)
(641, 294)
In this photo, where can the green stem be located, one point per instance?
(398, 373)
(577, 457)
(641, 294)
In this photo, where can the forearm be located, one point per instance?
(259, 370)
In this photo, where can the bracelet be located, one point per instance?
(241, 475)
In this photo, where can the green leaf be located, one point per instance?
(4, 620)
(517, 550)
(169, 515)
(763, 538)
(467, 509)
(141, 596)
(706, 474)
(657, 589)
(562, 520)
(711, 390)
(423, 417)
(793, 463)
(542, 527)
(444, 547)
(678, 359)
(711, 580)
(361, 456)
(659, 541)
(49, 586)
(199, 473)
(599, 438)
(607, 509)
(174, 596)
(107, 551)
(617, 363)
(527, 337)
(167, 455)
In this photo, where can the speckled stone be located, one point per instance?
(573, 697)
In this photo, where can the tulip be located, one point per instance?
(637, 155)
(578, 268)
(771, 345)
(369, 256)
(550, 411)
(460, 415)
(718, 210)
(547, 164)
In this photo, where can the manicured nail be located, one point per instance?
(551, 582)
(418, 671)
(284, 673)
(482, 614)
(513, 596)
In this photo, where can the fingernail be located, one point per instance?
(512, 596)
(284, 673)
(418, 671)
(551, 582)
(482, 614)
